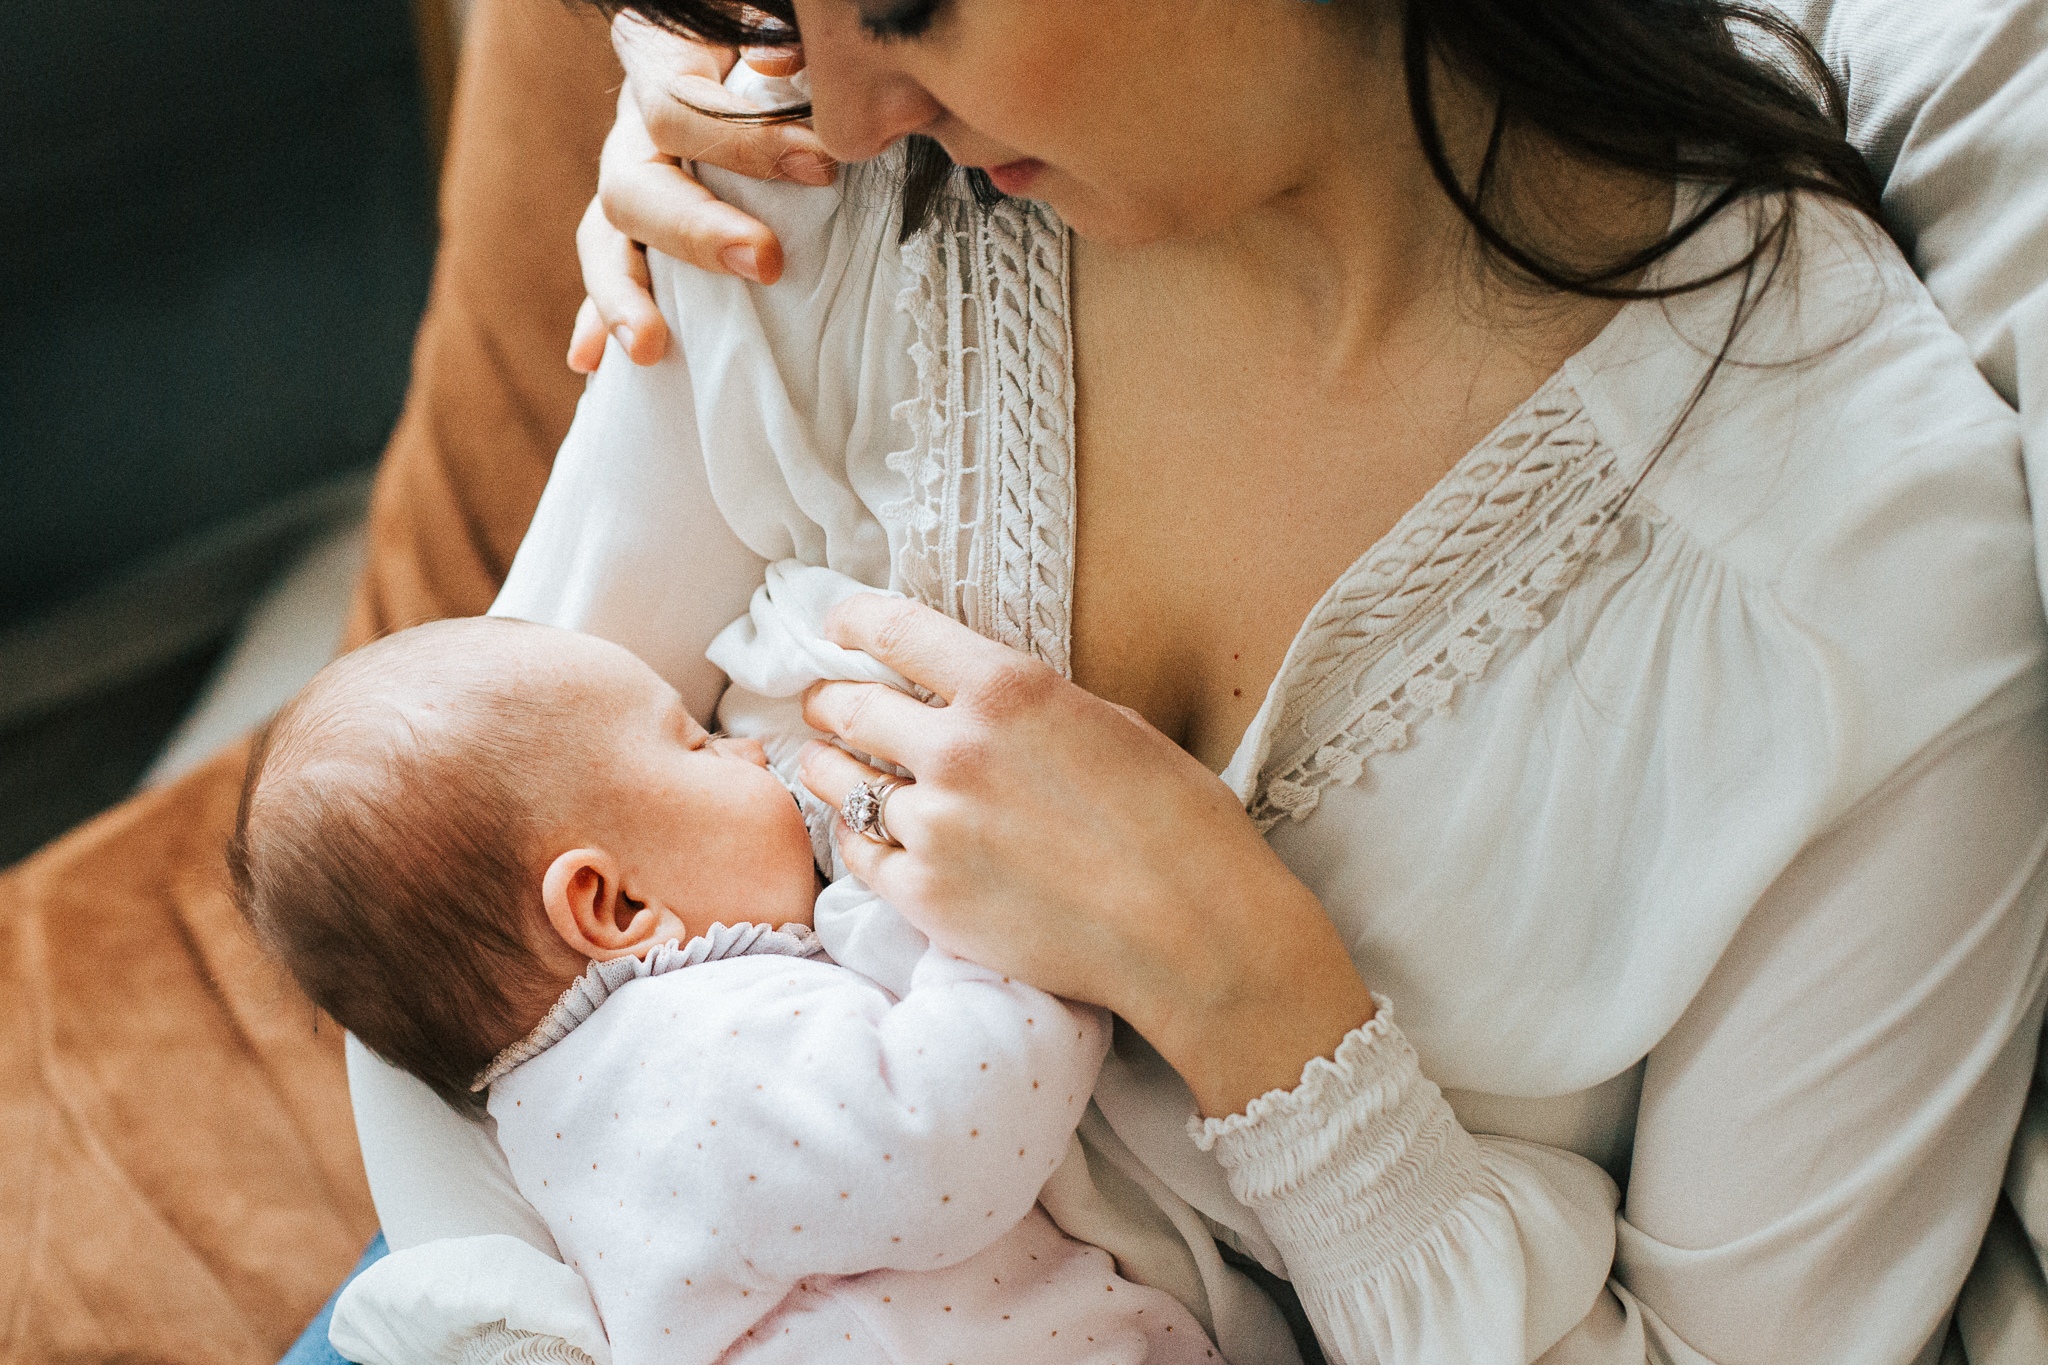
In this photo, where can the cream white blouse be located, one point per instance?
(1679, 786)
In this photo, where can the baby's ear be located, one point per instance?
(580, 891)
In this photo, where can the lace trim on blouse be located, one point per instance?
(1427, 608)
(988, 521)
(600, 979)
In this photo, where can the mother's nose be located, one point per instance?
(862, 101)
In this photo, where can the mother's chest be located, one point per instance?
(1202, 541)
(1226, 477)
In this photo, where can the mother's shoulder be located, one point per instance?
(1846, 486)
(1840, 425)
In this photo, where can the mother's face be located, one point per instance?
(1133, 119)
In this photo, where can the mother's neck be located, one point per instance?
(1363, 247)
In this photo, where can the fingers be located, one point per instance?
(875, 719)
(658, 203)
(650, 195)
(586, 339)
(671, 80)
(653, 200)
(774, 61)
(620, 299)
(933, 651)
(649, 51)
(676, 124)
(831, 773)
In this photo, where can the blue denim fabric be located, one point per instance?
(311, 1348)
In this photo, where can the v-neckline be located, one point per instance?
(988, 527)
(1437, 551)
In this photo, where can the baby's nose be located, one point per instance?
(731, 746)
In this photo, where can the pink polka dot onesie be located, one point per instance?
(767, 1158)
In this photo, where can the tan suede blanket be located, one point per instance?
(178, 1170)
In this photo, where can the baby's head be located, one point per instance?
(445, 827)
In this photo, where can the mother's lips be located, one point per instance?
(1016, 177)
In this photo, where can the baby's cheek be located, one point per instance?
(772, 855)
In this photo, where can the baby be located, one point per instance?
(510, 862)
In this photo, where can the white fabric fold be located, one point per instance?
(1354, 1164)
(424, 1305)
(779, 647)
(772, 652)
(1379, 1200)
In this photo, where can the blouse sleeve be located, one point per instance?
(1819, 1139)
(628, 542)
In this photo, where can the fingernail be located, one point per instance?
(773, 61)
(740, 261)
(625, 336)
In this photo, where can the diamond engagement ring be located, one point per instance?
(863, 810)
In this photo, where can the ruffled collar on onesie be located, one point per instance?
(600, 979)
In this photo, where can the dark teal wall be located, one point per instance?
(215, 234)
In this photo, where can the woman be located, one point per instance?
(1623, 638)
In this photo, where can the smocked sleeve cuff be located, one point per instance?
(1354, 1165)
(502, 1345)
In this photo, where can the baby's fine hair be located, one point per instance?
(387, 849)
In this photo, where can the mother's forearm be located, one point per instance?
(1242, 1016)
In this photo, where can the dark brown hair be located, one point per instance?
(1710, 92)
(389, 858)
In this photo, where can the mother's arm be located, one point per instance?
(1819, 1137)
(628, 543)
(1819, 1140)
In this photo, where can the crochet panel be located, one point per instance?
(1427, 608)
(987, 526)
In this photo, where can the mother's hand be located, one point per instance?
(1061, 839)
(646, 195)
